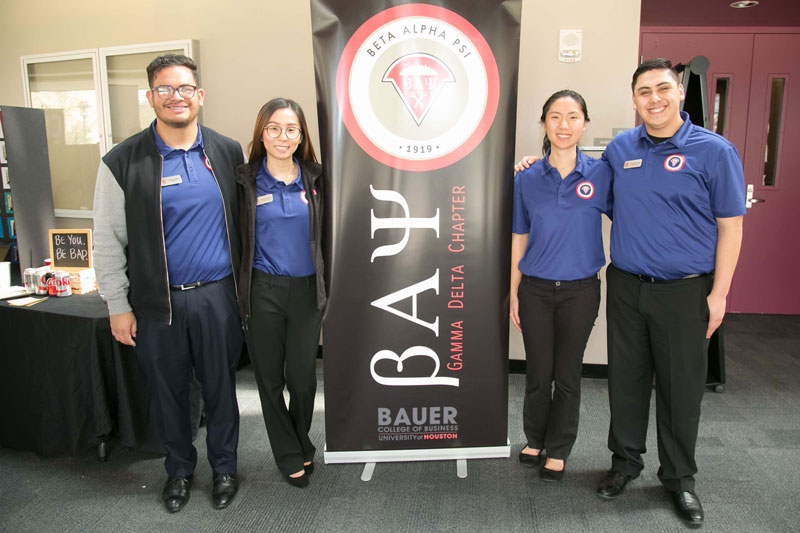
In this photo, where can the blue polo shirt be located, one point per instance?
(194, 218)
(562, 218)
(282, 230)
(667, 200)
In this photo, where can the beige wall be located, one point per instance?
(610, 51)
(250, 50)
(253, 50)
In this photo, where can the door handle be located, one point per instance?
(749, 200)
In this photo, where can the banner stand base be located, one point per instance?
(460, 455)
(369, 469)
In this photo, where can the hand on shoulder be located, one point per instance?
(525, 163)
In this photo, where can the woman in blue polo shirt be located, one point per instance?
(556, 253)
(281, 286)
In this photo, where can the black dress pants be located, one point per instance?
(556, 318)
(283, 338)
(204, 340)
(656, 328)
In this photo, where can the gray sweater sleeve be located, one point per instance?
(110, 241)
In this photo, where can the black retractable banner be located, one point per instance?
(29, 169)
(417, 107)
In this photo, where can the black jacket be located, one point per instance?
(137, 166)
(311, 175)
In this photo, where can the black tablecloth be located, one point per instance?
(65, 384)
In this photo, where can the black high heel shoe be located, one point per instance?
(309, 468)
(527, 459)
(300, 482)
(552, 475)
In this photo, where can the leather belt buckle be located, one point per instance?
(187, 286)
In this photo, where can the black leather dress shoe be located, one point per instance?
(299, 481)
(527, 459)
(309, 468)
(688, 508)
(224, 490)
(176, 493)
(552, 475)
(612, 484)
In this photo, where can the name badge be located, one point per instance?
(633, 163)
(267, 198)
(171, 180)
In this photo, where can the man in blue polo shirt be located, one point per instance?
(166, 254)
(678, 206)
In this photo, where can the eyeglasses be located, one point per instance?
(165, 91)
(273, 131)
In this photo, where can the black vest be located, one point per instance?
(136, 165)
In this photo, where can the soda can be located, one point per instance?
(41, 277)
(36, 277)
(29, 280)
(63, 284)
(52, 286)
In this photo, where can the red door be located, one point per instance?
(754, 82)
(767, 279)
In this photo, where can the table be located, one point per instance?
(65, 384)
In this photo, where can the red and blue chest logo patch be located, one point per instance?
(674, 162)
(585, 189)
(207, 162)
(303, 196)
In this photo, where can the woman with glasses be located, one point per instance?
(556, 253)
(281, 285)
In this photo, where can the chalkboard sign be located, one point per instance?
(70, 249)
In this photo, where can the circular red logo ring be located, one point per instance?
(587, 195)
(676, 167)
(343, 86)
(303, 196)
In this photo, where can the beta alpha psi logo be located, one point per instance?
(417, 87)
(417, 79)
(303, 196)
(674, 162)
(585, 189)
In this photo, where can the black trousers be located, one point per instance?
(204, 340)
(556, 318)
(656, 328)
(283, 338)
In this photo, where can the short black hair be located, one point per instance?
(170, 60)
(658, 63)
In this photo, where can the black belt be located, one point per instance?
(651, 279)
(559, 283)
(187, 286)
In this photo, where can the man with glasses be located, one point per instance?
(166, 254)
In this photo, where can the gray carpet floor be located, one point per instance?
(748, 456)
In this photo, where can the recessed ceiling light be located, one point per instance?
(744, 4)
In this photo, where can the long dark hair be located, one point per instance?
(304, 151)
(566, 93)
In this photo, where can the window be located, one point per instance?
(773, 130)
(123, 74)
(721, 106)
(66, 88)
(93, 99)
